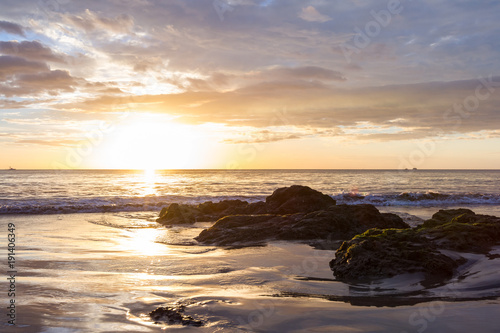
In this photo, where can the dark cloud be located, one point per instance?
(31, 50)
(23, 77)
(52, 82)
(12, 28)
(10, 65)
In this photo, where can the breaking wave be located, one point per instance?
(426, 199)
(153, 203)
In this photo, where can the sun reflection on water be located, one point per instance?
(144, 242)
(149, 177)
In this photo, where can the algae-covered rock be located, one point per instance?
(385, 253)
(463, 230)
(389, 252)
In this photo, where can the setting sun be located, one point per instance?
(151, 142)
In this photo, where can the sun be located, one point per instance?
(149, 174)
(151, 142)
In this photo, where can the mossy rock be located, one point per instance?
(383, 253)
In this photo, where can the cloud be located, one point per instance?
(53, 80)
(10, 65)
(303, 73)
(31, 50)
(23, 77)
(220, 80)
(266, 136)
(12, 28)
(179, 58)
(12, 104)
(311, 14)
(52, 143)
(420, 109)
(91, 21)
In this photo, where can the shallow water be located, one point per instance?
(103, 272)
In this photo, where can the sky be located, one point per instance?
(242, 84)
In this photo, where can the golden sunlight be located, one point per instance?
(151, 142)
(143, 241)
(149, 176)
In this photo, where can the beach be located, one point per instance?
(105, 271)
(249, 166)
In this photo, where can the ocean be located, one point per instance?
(79, 191)
(88, 256)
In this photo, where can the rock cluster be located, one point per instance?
(173, 316)
(287, 200)
(290, 213)
(385, 253)
(381, 245)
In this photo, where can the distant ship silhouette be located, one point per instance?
(11, 168)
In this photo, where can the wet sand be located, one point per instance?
(105, 272)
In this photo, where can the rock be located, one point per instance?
(227, 207)
(297, 199)
(336, 222)
(385, 253)
(246, 229)
(445, 216)
(204, 212)
(286, 200)
(178, 214)
(173, 316)
(463, 230)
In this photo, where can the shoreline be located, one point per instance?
(99, 269)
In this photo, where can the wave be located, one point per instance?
(421, 199)
(104, 204)
(154, 203)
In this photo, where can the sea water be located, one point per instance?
(78, 191)
(89, 256)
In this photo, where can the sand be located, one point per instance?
(105, 272)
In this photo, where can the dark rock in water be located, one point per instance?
(222, 207)
(463, 230)
(286, 200)
(173, 316)
(204, 212)
(445, 216)
(385, 253)
(297, 199)
(248, 229)
(178, 214)
(334, 223)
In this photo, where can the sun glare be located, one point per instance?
(143, 242)
(149, 175)
(149, 181)
(152, 142)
